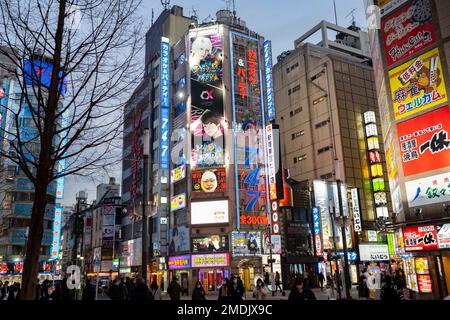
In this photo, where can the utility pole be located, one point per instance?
(146, 153)
(344, 244)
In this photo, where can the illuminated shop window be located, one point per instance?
(380, 198)
(369, 117)
(371, 130)
(382, 212)
(376, 170)
(378, 184)
(373, 143)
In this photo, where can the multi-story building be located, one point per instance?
(410, 43)
(330, 131)
(17, 191)
(148, 108)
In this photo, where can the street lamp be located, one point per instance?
(146, 155)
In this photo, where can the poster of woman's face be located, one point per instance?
(179, 241)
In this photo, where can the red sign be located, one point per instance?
(209, 181)
(425, 142)
(254, 220)
(420, 238)
(424, 282)
(407, 31)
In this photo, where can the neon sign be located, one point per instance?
(269, 79)
(165, 102)
(317, 239)
(54, 251)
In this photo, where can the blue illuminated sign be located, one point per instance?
(317, 235)
(352, 256)
(165, 102)
(37, 71)
(269, 79)
(56, 242)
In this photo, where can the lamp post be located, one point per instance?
(146, 154)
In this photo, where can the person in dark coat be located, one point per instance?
(388, 293)
(199, 292)
(14, 291)
(235, 291)
(141, 292)
(66, 293)
(130, 288)
(3, 290)
(118, 290)
(224, 294)
(174, 290)
(44, 290)
(57, 292)
(363, 289)
(301, 291)
(321, 279)
(88, 291)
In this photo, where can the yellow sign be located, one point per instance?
(417, 85)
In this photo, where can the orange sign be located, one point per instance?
(425, 142)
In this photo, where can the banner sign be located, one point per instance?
(430, 190)
(356, 212)
(317, 233)
(407, 31)
(209, 181)
(179, 262)
(421, 238)
(56, 243)
(165, 101)
(417, 85)
(177, 174)
(387, 6)
(178, 202)
(210, 260)
(373, 252)
(209, 212)
(425, 142)
(443, 235)
(269, 80)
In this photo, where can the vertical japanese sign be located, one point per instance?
(417, 85)
(321, 202)
(425, 142)
(207, 109)
(56, 243)
(61, 166)
(272, 183)
(249, 126)
(356, 211)
(165, 101)
(407, 31)
(317, 234)
(269, 80)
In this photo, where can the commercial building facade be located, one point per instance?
(412, 78)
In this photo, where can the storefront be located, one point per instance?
(179, 267)
(12, 271)
(427, 261)
(211, 269)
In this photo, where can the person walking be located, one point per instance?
(174, 289)
(141, 292)
(224, 294)
(57, 292)
(234, 290)
(321, 279)
(4, 290)
(130, 285)
(278, 282)
(363, 289)
(155, 291)
(199, 292)
(240, 287)
(261, 291)
(266, 279)
(88, 291)
(12, 292)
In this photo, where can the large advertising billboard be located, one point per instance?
(207, 110)
(249, 126)
(179, 240)
(165, 101)
(207, 244)
(425, 142)
(420, 238)
(417, 85)
(209, 180)
(429, 190)
(407, 31)
(246, 243)
(209, 212)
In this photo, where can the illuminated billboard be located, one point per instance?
(39, 72)
(207, 109)
(179, 240)
(209, 180)
(246, 243)
(165, 101)
(269, 80)
(429, 190)
(209, 212)
(417, 85)
(214, 243)
(425, 142)
(177, 174)
(56, 243)
(249, 125)
(407, 31)
(178, 202)
(179, 262)
(210, 260)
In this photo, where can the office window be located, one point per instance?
(298, 110)
(291, 113)
(296, 88)
(287, 70)
(289, 92)
(324, 149)
(321, 124)
(298, 134)
(326, 176)
(318, 100)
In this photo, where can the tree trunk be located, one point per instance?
(43, 170)
(35, 234)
